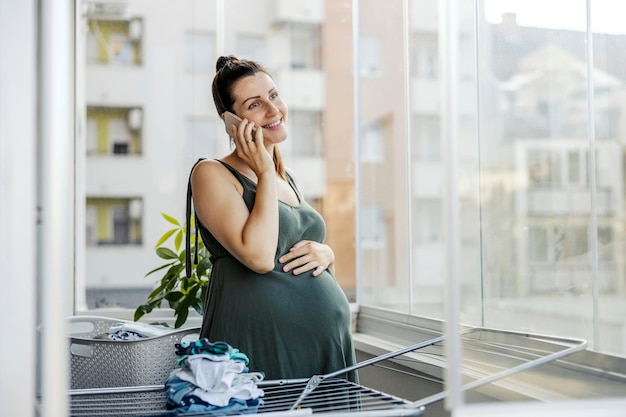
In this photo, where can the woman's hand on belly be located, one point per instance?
(308, 255)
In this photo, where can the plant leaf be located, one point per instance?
(170, 219)
(154, 294)
(166, 253)
(174, 296)
(157, 269)
(178, 240)
(181, 314)
(185, 284)
(203, 266)
(165, 236)
(141, 310)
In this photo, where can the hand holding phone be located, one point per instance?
(229, 120)
(232, 119)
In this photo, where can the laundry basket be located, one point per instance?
(101, 363)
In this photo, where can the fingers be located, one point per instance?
(305, 256)
(244, 133)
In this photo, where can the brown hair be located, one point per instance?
(229, 70)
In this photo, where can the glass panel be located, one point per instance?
(539, 124)
(305, 129)
(609, 99)
(201, 135)
(148, 123)
(200, 51)
(252, 46)
(544, 209)
(305, 41)
(383, 151)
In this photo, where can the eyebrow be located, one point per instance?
(255, 97)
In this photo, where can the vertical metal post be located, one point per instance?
(18, 113)
(220, 32)
(357, 149)
(448, 52)
(407, 140)
(56, 197)
(80, 279)
(593, 211)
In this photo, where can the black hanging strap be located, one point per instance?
(188, 231)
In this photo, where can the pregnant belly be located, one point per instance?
(283, 299)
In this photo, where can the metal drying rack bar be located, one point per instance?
(330, 396)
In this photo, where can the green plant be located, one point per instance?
(180, 292)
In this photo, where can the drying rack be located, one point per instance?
(326, 395)
(333, 397)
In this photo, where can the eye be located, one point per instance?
(273, 95)
(253, 105)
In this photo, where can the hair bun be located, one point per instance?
(224, 61)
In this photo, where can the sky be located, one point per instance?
(607, 16)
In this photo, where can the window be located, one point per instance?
(200, 51)
(521, 85)
(113, 131)
(372, 141)
(428, 221)
(114, 42)
(544, 168)
(305, 133)
(114, 221)
(252, 46)
(201, 138)
(424, 55)
(370, 62)
(426, 138)
(305, 46)
(372, 227)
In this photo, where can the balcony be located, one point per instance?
(302, 89)
(303, 11)
(551, 201)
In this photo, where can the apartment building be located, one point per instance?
(148, 115)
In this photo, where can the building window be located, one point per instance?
(201, 138)
(372, 227)
(577, 162)
(113, 131)
(424, 56)
(305, 46)
(252, 47)
(370, 58)
(200, 51)
(305, 133)
(114, 42)
(113, 221)
(427, 221)
(426, 138)
(544, 168)
(372, 139)
(550, 244)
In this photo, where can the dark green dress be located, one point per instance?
(289, 326)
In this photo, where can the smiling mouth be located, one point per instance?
(271, 125)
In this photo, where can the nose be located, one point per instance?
(272, 109)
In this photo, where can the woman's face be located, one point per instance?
(257, 99)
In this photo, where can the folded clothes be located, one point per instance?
(135, 330)
(181, 393)
(210, 375)
(234, 407)
(212, 378)
(204, 346)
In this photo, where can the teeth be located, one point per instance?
(276, 123)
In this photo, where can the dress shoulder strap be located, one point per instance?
(188, 226)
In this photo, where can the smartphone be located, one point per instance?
(229, 120)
